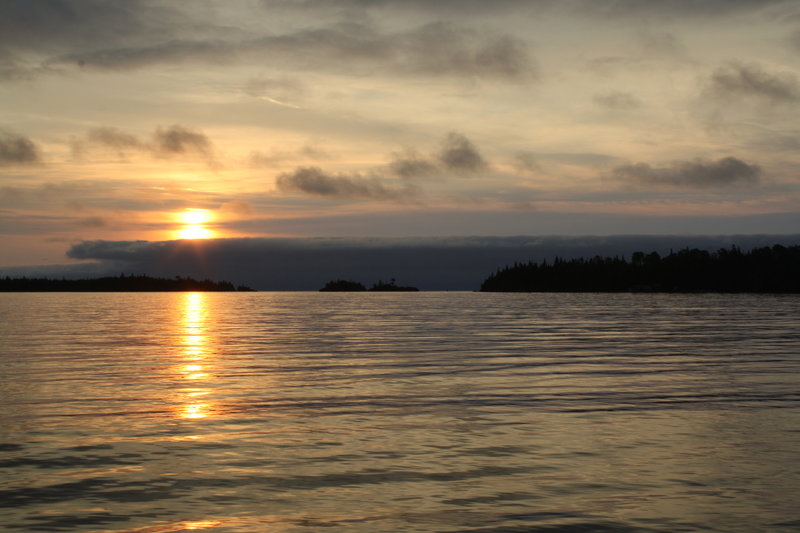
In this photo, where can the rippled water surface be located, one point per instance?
(426, 412)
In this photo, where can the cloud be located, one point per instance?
(180, 140)
(700, 174)
(459, 154)
(46, 24)
(17, 150)
(109, 138)
(443, 48)
(433, 49)
(410, 164)
(738, 80)
(314, 181)
(617, 101)
(175, 140)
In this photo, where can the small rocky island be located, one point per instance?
(341, 285)
(120, 283)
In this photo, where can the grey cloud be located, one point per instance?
(617, 100)
(750, 80)
(442, 48)
(112, 139)
(165, 142)
(434, 49)
(697, 174)
(178, 139)
(410, 164)
(459, 154)
(17, 150)
(314, 181)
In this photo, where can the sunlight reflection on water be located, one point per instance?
(421, 412)
(193, 320)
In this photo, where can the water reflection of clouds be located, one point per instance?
(193, 327)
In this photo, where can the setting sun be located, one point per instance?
(195, 232)
(194, 224)
(195, 217)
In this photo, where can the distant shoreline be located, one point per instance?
(120, 283)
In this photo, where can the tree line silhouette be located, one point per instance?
(121, 283)
(770, 270)
(342, 285)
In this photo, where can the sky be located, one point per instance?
(145, 120)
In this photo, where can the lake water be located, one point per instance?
(412, 412)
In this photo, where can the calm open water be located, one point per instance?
(424, 412)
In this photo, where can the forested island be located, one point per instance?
(120, 283)
(341, 285)
(768, 270)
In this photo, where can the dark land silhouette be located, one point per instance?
(120, 283)
(341, 285)
(773, 269)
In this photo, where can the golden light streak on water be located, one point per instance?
(193, 325)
